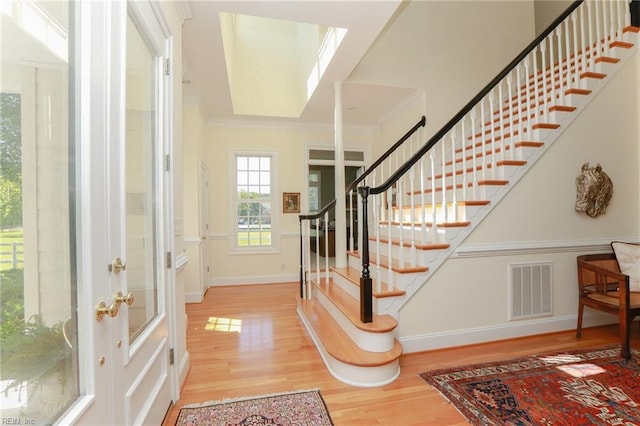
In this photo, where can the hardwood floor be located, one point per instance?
(249, 341)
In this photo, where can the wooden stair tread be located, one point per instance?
(484, 182)
(353, 276)
(430, 246)
(338, 344)
(406, 269)
(499, 163)
(439, 205)
(350, 307)
(418, 224)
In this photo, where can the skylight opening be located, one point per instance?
(328, 49)
(269, 62)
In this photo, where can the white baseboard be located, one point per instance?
(183, 369)
(250, 280)
(427, 342)
(193, 297)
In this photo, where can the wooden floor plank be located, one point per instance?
(272, 352)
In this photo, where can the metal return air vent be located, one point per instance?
(530, 290)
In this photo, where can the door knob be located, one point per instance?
(118, 265)
(102, 310)
(128, 299)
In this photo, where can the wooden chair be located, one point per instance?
(602, 286)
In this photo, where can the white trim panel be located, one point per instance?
(144, 391)
(427, 342)
(257, 279)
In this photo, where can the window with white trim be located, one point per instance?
(254, 200)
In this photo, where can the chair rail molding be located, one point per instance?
(537, 247)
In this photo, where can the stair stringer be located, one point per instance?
(392, 306)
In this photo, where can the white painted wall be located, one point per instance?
(195, 133)
(289, 144)
(449, 50)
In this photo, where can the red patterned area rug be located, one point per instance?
(304, 408)
(582, 387)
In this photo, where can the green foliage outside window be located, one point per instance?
(10, 161)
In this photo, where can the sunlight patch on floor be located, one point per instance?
(227, 325)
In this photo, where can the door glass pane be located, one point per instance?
(38, 342)
(141, 180)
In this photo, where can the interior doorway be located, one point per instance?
(321, 191)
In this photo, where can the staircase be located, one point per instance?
(417, 214)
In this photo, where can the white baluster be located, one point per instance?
(433, 188)
(626, 20)
(307, 274)
(545, 103)
(571, 81)
(560, 74)
(483, 140)
(389, 236)
(501, 120)
(423, 207)
(552, 71)
(576, 58)
(318, 230)
(412, 216)
(592, 47)
(444, 179)
(326, 246)
(583, 43)
(377, 215)
(463, 144)
(534, 72)
(474, 164)
(401, 220)
(605, 28)
(519, 106)
(454, 176)
(351, 221)
(612, 25)
(599, 36)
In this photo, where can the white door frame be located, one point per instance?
(203, 224)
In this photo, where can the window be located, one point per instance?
(254, 200)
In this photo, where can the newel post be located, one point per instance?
(634, 8)
(366, 288)
(301, 264)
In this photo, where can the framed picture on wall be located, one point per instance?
(291, 202)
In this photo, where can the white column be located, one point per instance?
(341, 217)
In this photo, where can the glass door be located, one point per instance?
(39, 351)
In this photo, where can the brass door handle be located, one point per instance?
(128, 299)
(102, 310)
(118, 265)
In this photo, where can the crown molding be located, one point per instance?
(184, 8)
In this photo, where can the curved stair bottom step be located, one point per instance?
(354, 375)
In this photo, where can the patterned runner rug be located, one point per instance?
(583, 387)
(304, 408)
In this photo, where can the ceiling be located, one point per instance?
(205, 71)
